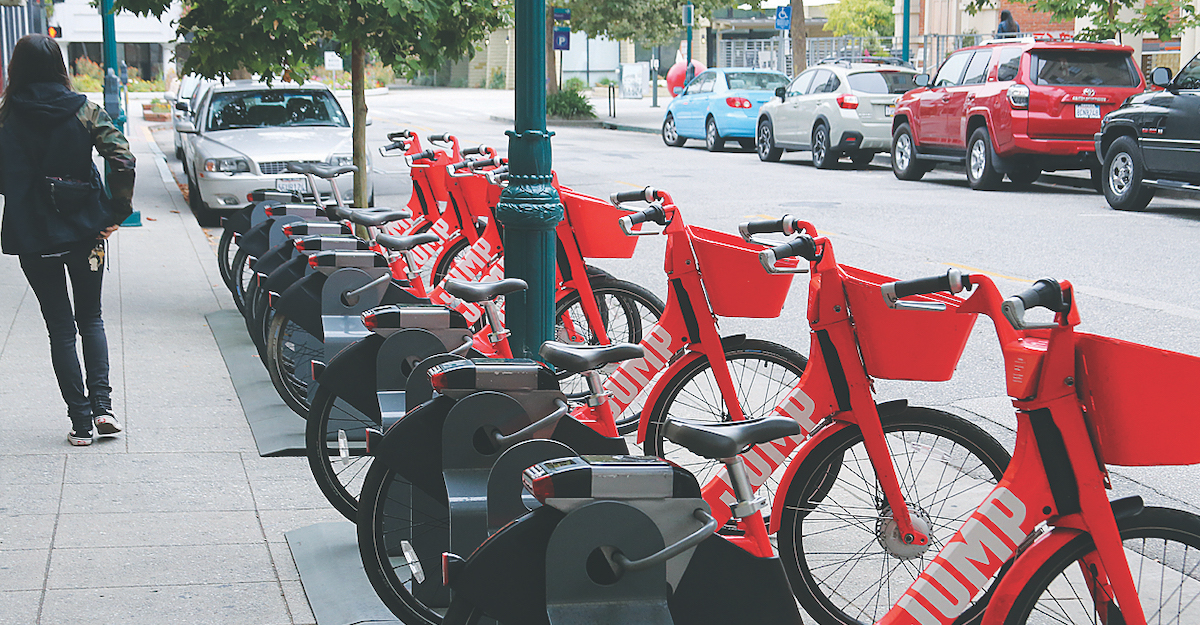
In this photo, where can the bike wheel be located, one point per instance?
(290, 352)
(1162, 547)
(627, 312)
(836, 532)
(763, 373)
(241, 273)
(339, 477)
(227, 250)
(392, 515)
(461, 612)
(456, 252)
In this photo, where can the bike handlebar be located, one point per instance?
(785, 225)
(648, 194)
(802, 246)
(479, 149)
(1045, 293)
(954, 281)
(655, 214)
(397, 136)
(445, 137)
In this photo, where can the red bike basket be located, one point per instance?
(734, 280)
(905, 344)
(1138, 401)
(594, 223)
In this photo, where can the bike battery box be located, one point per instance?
(493, 374)
(608, 477)
(327, 228)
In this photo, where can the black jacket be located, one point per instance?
(50, 131)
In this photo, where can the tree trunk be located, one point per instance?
(799, 39)
(552, 85)
(359, 106)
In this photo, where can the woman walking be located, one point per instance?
(57, 218)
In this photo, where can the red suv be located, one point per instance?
(1012, 107)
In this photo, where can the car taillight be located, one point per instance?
(738, 103)
(847, 101)
(1018, 96)
(369, 320)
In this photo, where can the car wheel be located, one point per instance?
(1024, 176)
(204, 215)
(981, 171)
(1123, 176)
(823, 156)
(713, 140)
(670, 135)
(765, 142)
(862, 158)
(747, 144)
(905, 164)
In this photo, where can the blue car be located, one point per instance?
(720, 104)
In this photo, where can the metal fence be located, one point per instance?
(926, 52)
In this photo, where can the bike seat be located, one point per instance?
(577, 358)
(377, 216)
(717, 441)
(483, 291)
(400, 244)
(320, 170)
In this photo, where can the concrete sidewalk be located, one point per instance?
(178, 520)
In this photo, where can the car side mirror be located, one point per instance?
(780, 92)
(1160, 77)
(921, 80)
(677, 90)
(186, 127)
(181, 106)
(368, 122)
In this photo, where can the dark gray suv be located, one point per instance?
(1153, 140)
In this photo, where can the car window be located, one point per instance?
(952, 70)
(1009, 62)
(801, 84)
(1189, 76)
(274, 108)
(755, 81)
(694, 86)
(706, 83)
(977, 69)
(827, 82)
(880, 82)
(1084, 67)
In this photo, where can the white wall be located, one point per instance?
(602, 59)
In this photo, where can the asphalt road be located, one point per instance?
(1132, 272)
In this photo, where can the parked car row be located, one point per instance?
(1008, 108)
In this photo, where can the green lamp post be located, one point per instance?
(530, 207)
(112, 84)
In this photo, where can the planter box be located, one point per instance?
(150, 115)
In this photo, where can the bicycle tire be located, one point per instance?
(455, 250)
(702, 401)
(461, 612)
(379, 507)
(1053, 592)
(834, 479)
(226, 251)
(241, 273)
(288, 350)
(628, 311)
(342, 486)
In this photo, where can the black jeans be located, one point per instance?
(48, 278)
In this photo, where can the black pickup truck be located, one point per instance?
(1153, 140)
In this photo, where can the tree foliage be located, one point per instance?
(645, 21)
(1162, 18)
(861, 18)
(285, 38)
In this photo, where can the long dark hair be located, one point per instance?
(35, 58)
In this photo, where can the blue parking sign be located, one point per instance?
(562, 38)
(783, 18)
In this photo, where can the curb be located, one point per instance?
(582, 123)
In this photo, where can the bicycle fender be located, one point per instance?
(301, 302)
(652, 400)
(239, 221)
(287, 274)
(1014, 580)
(818, 437)
(256, 241)
(396, 294)
(351, 375)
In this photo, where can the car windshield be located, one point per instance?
(274, 108)
(881, 82)
(1189, 76)
(756, 81)
(1084, 67)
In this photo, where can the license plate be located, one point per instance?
(889, 110)
(291, 184)
(1087, 111)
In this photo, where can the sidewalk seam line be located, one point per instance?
(53, 536)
